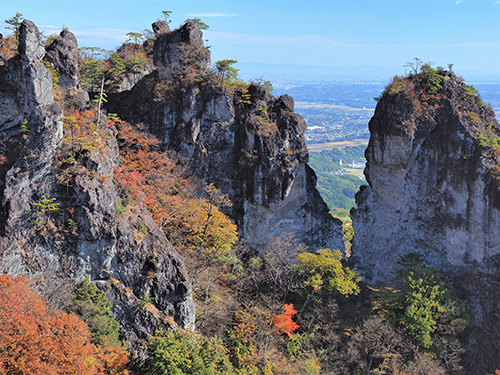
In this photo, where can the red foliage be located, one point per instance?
(35, 339)
(283, 323)
(146, 173)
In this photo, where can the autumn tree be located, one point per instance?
(35, 339)
(242, 351)
(283, 323)
(149, 177)
(323, 272)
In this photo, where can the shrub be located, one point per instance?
(185, 353)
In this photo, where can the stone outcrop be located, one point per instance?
(63, 54)
(432, 187)
(180, 48)
(248, 143)
(132, 50)
(129, 257)
(160, 27)
(432, 169)
(30, 48)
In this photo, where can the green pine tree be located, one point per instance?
(93, 306)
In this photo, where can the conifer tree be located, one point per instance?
(93, 306)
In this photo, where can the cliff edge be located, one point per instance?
(433, 164)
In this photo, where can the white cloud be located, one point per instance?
(214, 14)
(496, 2)
(459, 1)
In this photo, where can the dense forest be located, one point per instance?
(282, 309)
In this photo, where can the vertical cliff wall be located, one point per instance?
(248, 143)
(59, 223)
(433, 174)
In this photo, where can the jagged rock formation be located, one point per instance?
(160, 27)
(248, 143)
(142, 273)
(432, 169)
(138, 51)
(183, 47)
(63, 54)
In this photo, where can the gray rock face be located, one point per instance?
(129, 257)
(30, 43)
(430, 190)
(63, 54)
(131, 78)
(252, 148)
(433, 190)
(180, 48)
(160, 27)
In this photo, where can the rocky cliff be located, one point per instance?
(58, 218)
(248, 143)
(61, 214)
(433, 174)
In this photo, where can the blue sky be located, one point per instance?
(370, 38)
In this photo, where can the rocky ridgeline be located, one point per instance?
(248, 143)
(56, 226)
(432, 169)
(118, 253)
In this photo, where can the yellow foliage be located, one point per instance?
(324, 271)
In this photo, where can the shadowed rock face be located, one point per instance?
(251, 146)
(433, 190)
(104, 246)
(63, 54)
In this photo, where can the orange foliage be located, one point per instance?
(8, 48)
(35, 339)
(283, 323)
(149, 179)
(81, 132)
